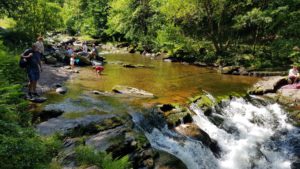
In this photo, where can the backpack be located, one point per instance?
(23, 63)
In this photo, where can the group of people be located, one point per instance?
(34, 55)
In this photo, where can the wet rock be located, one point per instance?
(205, 103)
(61, 90)
(46, 114)
(166, 107)
(38, 100)
(268, 85)
(149, 163)
(289, 96)
(83, 60)
(56, 85)
(62, 125)
(136, 66)
(174, 115)
(95, 127)
(295, 165)
(193, 131)
(130, 91)
(200, 64)
(168, 161)
(50, 60)
(102, 140)
(228, 69)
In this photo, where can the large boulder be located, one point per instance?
(130, 91)
(268, 85)
(83, 60)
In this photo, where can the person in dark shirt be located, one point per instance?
(33, 69)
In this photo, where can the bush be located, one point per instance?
(20, 147)
(87, 156)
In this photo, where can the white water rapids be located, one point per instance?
(251, 135)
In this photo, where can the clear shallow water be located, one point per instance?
(170, 82)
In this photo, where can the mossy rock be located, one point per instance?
(94, 128)
(205, 103)
(295, 115)
(175, 114)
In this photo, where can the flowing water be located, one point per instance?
(251, 133)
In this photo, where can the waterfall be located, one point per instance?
(251, 133)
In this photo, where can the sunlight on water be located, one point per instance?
(170, 82)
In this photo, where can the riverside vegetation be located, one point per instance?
(252, 34)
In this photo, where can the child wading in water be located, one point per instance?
(72, 61)
(99, 69)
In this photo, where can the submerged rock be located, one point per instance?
(130, 91)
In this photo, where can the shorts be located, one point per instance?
(33, 75)
(99, 68)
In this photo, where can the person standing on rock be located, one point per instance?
(33, 69)
(294, 74)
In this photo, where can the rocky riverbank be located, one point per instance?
(274, 89)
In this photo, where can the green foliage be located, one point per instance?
(87, 156)
(20, 147)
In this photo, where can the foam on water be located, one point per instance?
(245, 134)
(251, 135)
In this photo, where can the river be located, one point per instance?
(254, 133)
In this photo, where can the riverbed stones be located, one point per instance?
(61, 90)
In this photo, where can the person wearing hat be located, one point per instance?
(33, 69)
(293, 74)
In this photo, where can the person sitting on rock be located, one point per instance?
(293, 75)
(94, 53)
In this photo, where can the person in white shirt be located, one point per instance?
(72, 61)
(294, 74)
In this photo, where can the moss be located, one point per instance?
(94, 128)
(177, 115)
